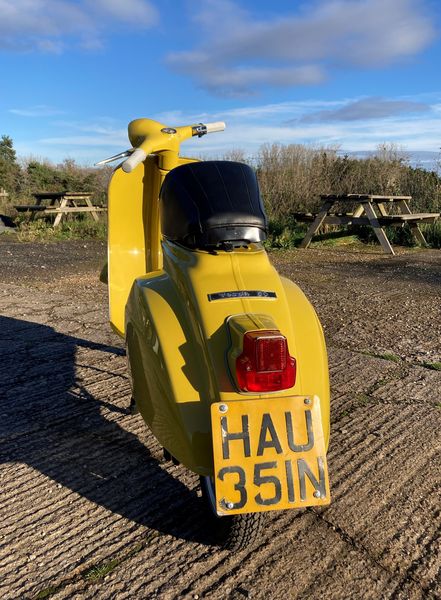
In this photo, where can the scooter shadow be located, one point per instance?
(52, 423)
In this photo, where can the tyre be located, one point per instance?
(232, 533)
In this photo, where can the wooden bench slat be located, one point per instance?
(50, 209)
(60, 195)
(307, 217)
(343, 219)
(347, 218)
(363, 197)
(304, 216)
(31, 207)
(431, 217)
(73, 209)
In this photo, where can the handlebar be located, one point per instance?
(150, 137)
(216, 126)
(137, 157)
(202, 129)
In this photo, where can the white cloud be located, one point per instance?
(135, 12)
(102, 132)
(240, 53)
(45, 25)
(366, 108)
(250, 127)
(240, 81)
(88, 140)
(41, 110)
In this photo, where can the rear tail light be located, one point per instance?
(265, 364)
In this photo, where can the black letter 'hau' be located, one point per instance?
(273, 442)
(289, 430)
(241, 435)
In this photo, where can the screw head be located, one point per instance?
(230, 505)
(317, 494)
(223, 408)
(307, 401)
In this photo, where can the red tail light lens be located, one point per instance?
(265, 364)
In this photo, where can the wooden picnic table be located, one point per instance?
(370, 209)
(61, 204)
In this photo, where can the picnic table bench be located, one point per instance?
(60, 204)
(369, 209)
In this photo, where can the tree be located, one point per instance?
(7, 151)
(42, 176)
(9, 168)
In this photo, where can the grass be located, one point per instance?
(432, 233)
(285, 235)
(436, 366)
(46, 593)
(384, 355)
(363, 399)
(335, 241)
(43, 231)
(99, 571)
(96, 572)
(288, 234)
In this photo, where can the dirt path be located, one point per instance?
(89, 510)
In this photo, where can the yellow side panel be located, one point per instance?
(126, 240)
(134, 239)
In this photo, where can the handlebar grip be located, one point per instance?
(137, 157)
(217, 126)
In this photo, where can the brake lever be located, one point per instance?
(116, 157)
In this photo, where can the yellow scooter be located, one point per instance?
(227, 359)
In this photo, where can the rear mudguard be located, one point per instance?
(177, 342)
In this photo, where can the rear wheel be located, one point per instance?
(237, 531)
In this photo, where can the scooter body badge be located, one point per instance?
(241, 294)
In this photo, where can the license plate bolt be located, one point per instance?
(223, 408)
(307, 401)
(229, 505)
(317, 494)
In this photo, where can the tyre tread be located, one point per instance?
(244, 530)
(235, 532)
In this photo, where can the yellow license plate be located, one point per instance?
(268, 455)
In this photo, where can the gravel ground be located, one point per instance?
(88, 509)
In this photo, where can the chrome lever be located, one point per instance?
(116, 157)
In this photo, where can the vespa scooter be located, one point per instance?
(227, 359)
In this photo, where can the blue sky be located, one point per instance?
(347, 73)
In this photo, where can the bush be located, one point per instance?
(291, 177)
(285, 234)
(41, 230)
